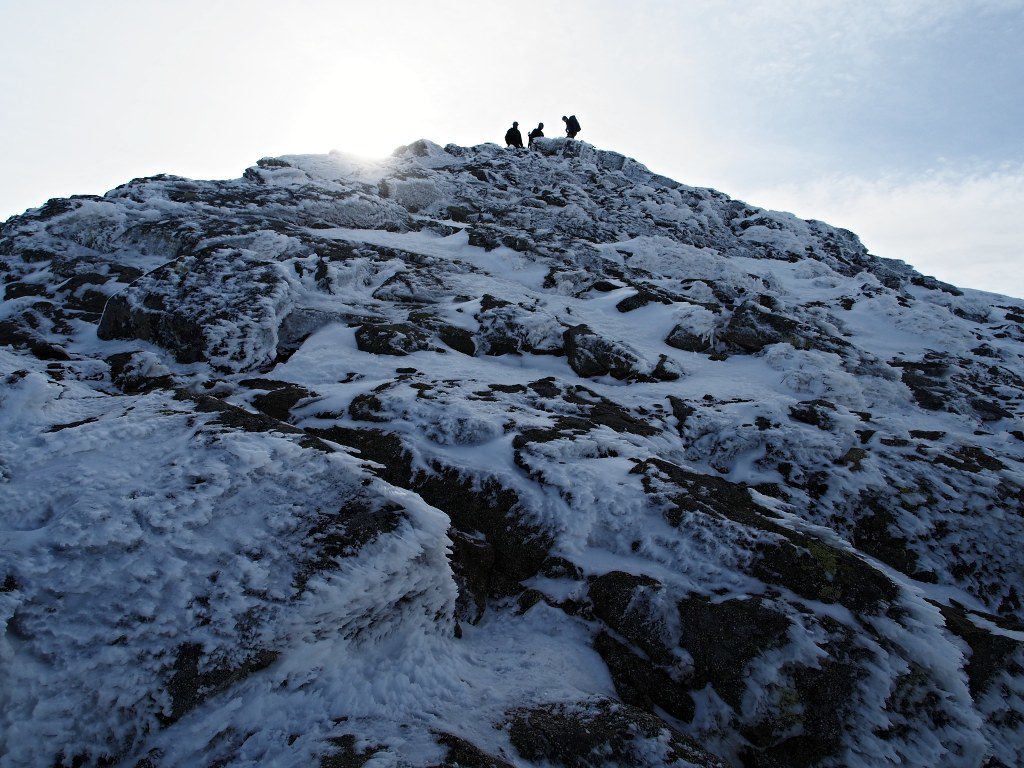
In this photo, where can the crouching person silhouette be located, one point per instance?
(536, 133)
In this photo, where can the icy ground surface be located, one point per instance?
(483, 458)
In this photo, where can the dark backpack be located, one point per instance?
(574, 124)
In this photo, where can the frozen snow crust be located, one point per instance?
(476, 457)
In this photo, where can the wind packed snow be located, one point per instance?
(476, 457)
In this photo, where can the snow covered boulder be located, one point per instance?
(147, 605)
(694, 330)
(506, 328)
(590, 354)
(752, 328)
(187, 307)
(398, 339)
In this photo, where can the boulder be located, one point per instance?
(590, 354)
(397, 339)
(752, 328)
(600, 733)
(687, 340)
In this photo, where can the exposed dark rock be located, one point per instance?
(559, 568)
(877, 534)
(683, 338)
(510, 388)
(87, 301)
(368, 407)
(723, 638)
(14, 335)
(527, 599)
(509, 329)
(344, 754)
(592, 355)
(417, 287)
(709, 494)
(278, 402)
(809, 567)
(927, 381)
(598, 734)
(264, 384)
(472, 563)
(195, 678)
(463, 754)
(818, 571)
(488, 302)
(473, 504)
(181, 335)
(130, 377)
(18, 290)
(989, 410)
(853, 458)
(233, 417)
(926, 281)
(817, 413)
(681, 410)
(970, 458)
(641, 682)
(391, 339)
(625, 602)
(641, 298)
(989, 653)
(72, 424)
(926, 434)
(302, 322)
(458, 339)
(751, 329)
(824, 695)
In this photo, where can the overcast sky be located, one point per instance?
(902, 120)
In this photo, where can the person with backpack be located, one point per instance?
(513, 138)
(572, 126)
(536, 133)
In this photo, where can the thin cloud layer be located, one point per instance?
(964, 228)
(838, 110)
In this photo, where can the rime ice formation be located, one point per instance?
(473, 457)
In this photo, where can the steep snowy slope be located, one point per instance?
(474, 457)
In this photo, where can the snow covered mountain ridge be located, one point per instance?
(482, 458)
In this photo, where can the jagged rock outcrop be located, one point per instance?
(473, 457)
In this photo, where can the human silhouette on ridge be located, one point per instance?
(536, 133)
(513, 138)
(572, 126)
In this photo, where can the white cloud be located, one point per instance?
(965, 228)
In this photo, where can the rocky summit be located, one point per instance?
(487, 458)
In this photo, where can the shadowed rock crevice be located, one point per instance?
(480, 504)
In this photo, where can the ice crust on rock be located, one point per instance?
(474, 457)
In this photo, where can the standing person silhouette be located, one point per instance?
(513, 138)
(572, 126)
(536, 133)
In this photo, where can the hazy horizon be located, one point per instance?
(899, 121)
